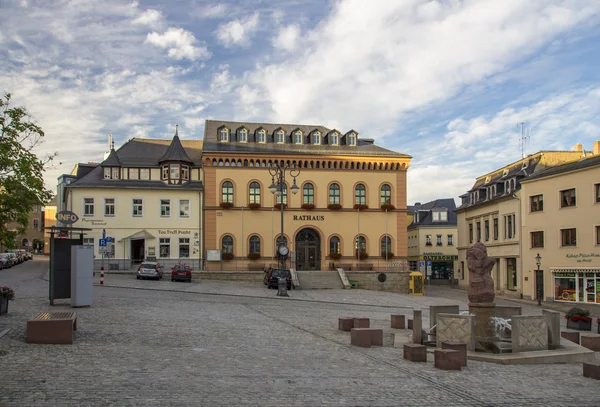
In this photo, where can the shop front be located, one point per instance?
(439, 266)
(576, 285)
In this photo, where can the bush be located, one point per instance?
(7, 292)
(335, 256)
(388, 207)
(227, 256)
(308, 207)
(254, 256)
(254, 206)
(578, 314)
(334, 207)
(278, 206)
(362, 207)
(226, 205)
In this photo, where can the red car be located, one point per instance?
(181, 272)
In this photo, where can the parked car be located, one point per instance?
(24, 254)
(7, 260)
(181, 272)
(272, 278)
(150, 269)
(17, 256)
(14, 258)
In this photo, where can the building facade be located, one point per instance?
(432, 240)
(491, 212)
(562, 225)
(32, 238)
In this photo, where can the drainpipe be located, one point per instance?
(201, 229)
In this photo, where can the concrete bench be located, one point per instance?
(572, 336)
(415, 352)
(591, 342)
(591, 369)
(345, 324)
(447, 359)
(366, 337)
(52, 328)
(461, 347)
(398, 322)
(256, 267)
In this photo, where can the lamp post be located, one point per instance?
(277, 187)
(538, 279)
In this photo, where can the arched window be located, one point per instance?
(254, 244)
(254, 193)
(360, 244)
(282, 198)
(308, 194)
(298, 137)
(243, 135)
(334, 139)
(386, 245)
(360, 195)
(280, 137)
(227, 192)
(223, 135)
(316, 138)
(281, 240)
(385, 194)
(227, 244)
(261, 136)
(334, 245)
(352, 139)
(334, 194)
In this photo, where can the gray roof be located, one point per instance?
(426, 218)
(95, 179)
(142, 152)
(112, 160)
(175, 152)
(364, 147)
(587, 162)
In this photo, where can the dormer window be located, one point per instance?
(107, 173)
(334, 139)
(224, 135)
(112, 173)
(280, 137)
(316, 138)
(440, 215)
(352, 139)
(507, 187)
(298, 137)
(174, 173)
(165, 172)
(261, 136)
(242, 135)
(185, 172)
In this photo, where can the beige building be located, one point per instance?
(432, 240)
(492, 211)
(49, 221)
(32, 237)
(561, 223)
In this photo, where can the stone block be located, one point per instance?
(358, 337)
(417, 326)
(461, 347)
(361, 323)
(591, 369)
(398, 322)
(507, 312)
(447, 359)
(553, 321)
(434, 310)
(458, 328)
(529, 332)
(591, 342)
(572, 336)
(345, 324)
(409, 323)
(415, 352)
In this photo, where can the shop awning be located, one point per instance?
(142, 234)
(575, 270)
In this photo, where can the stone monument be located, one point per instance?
(481, 294)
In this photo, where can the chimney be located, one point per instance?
(578, 147)
(596, 147)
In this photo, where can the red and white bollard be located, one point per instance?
(101, 275)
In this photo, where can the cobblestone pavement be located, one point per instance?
(224, 344)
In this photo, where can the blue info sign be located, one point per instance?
(109, 239)
(102, 242)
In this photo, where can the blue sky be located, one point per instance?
(445, 81)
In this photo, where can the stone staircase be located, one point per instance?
(311, 280)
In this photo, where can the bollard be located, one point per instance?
(101, 275)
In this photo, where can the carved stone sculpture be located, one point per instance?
(481, 285)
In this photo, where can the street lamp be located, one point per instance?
(538, 278)
(277, 187)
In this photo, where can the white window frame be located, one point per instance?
(184, 243)
(93, 206)
(88, 241)
(167, 205)
(261, 136)
(298, 137)
(189, 208)
(243, 136)
(334, 139)
(144, 170)
(316, 138)
(133, 205)
(352, 139)
(115, 173)
(134, 171)
(174, 171)
(114, 205)
(107, 172)
(223, 135)
(280, 137)
(164, 241)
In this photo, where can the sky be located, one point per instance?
(446, 81)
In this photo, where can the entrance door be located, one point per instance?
(308, 250)
(137, 251)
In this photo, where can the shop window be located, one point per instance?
(165, 208)
(254, 193)
(184, 208)
(536, 203)
(138, 207)
(254, 244)
(568, 237)
(537, 239)
(109, 206)
(450, 240)
(565, 286)
(88, 206)
(227, 244)
(165, 247)
(496, 229)
(184, 247)
(487, 230)
(334, 244)
(385, 195)
(427, 240)
(360, 195)
(334, 194)
(227, 192)
(470, 233)
(438, 240)
(567, 198)
(282, 198)
(511, 273)
(308, 194)
(479, 231)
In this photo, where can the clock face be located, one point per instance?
(283, 250)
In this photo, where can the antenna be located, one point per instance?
(523, 139)
(110, 142)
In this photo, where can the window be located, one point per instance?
(145, 173)
(115, 173)
(334, 139)
(360, 244)
(568, 237)
(36, 224)
(227, 244)
(36, 209)
(597, 186)
(174, 173)
(243, 135)
(106, 172)
(88, 206)
(165, 172)
(254, 193)
(412, 265)
(352, 139)
(109, 206)
(255, 244)
(495, 228)
(261, 136)
(427, 240)
(282, 198)
(536, 203)
(185, 172)
(227, 192)
(479, 231)
(450, 240)
(316, 138)
(281, 240)
(280, 137)
(511, 273)
(308, 194)
(598, 235)
(184, 247)
(537, 239)
(386, 246)
(510, 226)
(385, 195)
(165, 247)
(184, 208)
(298, 137)
(88, 241)
(487, 230)
(567, 198)
(470, 233)
(138, 207)
(360, 195)
(165, 207)
(334, 244)
(440, 215)
(334, 194)
(438, 240)
(223, 136)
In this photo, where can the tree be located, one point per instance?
(21, 171)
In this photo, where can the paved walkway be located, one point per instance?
(157, 343)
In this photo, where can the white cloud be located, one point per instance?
(180, 43)
(287, 37)
(238, 32)
(149, 17)
(211, 11)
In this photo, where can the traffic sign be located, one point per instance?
(102, 242)
(103, 249)
(422, 266)
(109, 239)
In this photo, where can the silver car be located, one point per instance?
(7, 260)
(150, 269)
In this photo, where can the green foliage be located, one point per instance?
(21, 171)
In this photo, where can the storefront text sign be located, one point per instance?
(583, 257)
(440, 257)
(94, 222)
(309, 217)
(174, 232)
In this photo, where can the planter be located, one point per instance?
(278, 206)
(3, 305)
(334, 207)
(227, 256)
(254, 206)
(308, 207)
(361, 207)
(387, 207)
(580, 325)
(226, 205)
